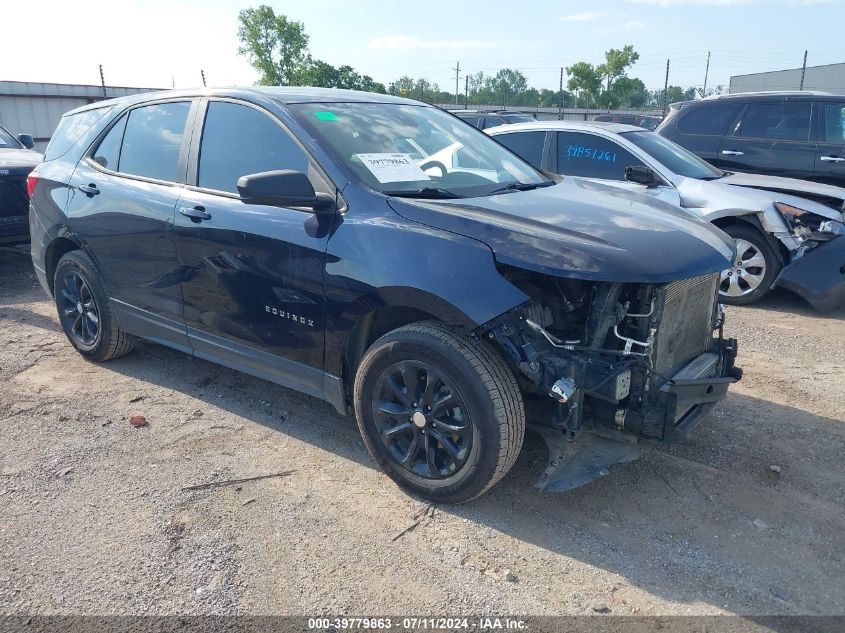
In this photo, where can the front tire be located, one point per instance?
(84, 311)
(440, 413)
(754, 270)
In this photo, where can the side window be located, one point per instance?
(70, 129)
(526, 145)
(238, 140)
(709, 120)
(833, 123)
(776, 121)
(590, 156)
(493, 122)
(108, 152)
(152, 141)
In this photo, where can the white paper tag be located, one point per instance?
(393, 167)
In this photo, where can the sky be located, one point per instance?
(158, 43)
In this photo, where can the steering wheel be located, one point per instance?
(435, 163)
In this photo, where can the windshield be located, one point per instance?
(674, 157)
(404, 149)
(7, 140)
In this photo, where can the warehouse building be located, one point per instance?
(829, 78)
(35, 108)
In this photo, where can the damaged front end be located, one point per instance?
(607, 367)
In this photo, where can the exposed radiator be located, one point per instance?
(685, 330)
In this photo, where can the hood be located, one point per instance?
(14, 158)
(716, 197)
(583, 230)
(815, 190)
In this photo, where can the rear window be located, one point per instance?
(71, 128)
(710, 120)
(526, 145)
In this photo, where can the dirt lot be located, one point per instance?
(93, 518)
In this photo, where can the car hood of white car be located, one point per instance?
(787, 185)
(713, 197)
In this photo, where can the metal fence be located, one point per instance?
(552, 114)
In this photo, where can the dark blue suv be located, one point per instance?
(391, 259)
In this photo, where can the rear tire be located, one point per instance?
(453, 395)
(754, 269)
(84, 311)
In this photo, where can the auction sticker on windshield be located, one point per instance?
(393, 167)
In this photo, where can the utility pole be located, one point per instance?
(103, 83)
(202, 74)
(560, 107)
(803, 71)
(457, 70)
(706, 75)
(466, 92)
(666, 90)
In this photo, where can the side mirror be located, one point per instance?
(642, 175)
(282, 188)
(26, 140)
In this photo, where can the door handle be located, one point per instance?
(832, 159)
(89, 190)
(197, 214)
(730, 152)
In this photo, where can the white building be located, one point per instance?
(35, 108)
(829, 78)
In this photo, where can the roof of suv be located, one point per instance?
(791, 94)
(282, 94)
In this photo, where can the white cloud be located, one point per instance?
(584, 16)
(409, 42)
(630, 25)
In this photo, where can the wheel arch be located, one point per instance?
(57, 249)
(724, 223)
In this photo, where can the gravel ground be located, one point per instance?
(94, 518)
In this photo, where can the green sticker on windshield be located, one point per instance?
(326, 116)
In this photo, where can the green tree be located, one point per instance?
(275, 46)
(615, 68)
(585, 78)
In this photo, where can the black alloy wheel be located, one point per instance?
(78, 310)
(422, 419)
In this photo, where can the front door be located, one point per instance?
(598, 158)
(253, 274)
(830, 155)
(122, 205)
(772, 137)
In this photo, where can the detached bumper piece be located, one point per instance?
(573, 463)
(819, 276)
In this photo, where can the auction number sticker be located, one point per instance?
(393, 167)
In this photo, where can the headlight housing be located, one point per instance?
(806, 223)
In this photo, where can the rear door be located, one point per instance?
(530, 145)
(772, 137)
(253, 282)
(699, 127)
(830, 155)
(122, 205)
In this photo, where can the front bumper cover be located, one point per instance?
(819, 276)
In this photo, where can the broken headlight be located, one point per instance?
(806, 224)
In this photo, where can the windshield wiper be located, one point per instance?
(433, 193)
(522, 186)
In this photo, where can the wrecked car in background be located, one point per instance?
(788, 233)
(289, 233)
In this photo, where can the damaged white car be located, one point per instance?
(789, 233)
